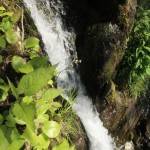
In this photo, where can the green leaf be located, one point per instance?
(27, 99)
(51, 93)
(1, 60)
(44, 141)
(42, 118)
(10, 120)
(12, 37)
(31, 42)
(2, 8)
(25, 113)
(13, 89)
(16, 145)
(3, 92)
(17, 62)
(1, 119)
(6, 25)
(62, 146)
(8, 135)
(2, 42)
(6, 14)
(17, 15)
(30, 135)
(38, 62)
(148, 71)
(35, 81)
(51, 129)
(4, 143)
(26, 68)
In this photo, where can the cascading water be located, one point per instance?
(46, 15)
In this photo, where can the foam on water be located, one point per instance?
(47, 18)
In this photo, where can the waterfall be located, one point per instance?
(57, 40)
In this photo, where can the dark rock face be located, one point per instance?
(101, 53)
(102, 29)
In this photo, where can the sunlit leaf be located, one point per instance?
(17, 62)
(2, 42)
(31, 42)
(26, 113)
(30, 135)
(6, 24)
(35, 81)
(44, 141)
(6, 14)
(2, 8)
(42, 118)
(12, 37)
(26, 68)
(63, 146)
(51, 129)
(16, 145)
(51, 93)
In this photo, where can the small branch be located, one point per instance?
(22, 27)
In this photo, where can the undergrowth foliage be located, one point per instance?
(136, 62)
(39, 118)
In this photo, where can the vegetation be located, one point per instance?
(33, 114)
(136, 62)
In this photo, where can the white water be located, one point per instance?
(46, 15)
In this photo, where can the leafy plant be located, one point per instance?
(37, 116)
(136, 62)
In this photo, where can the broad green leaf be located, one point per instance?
(13, 89)
(8, 135)
(36, 48)
(51, 129)
(16, 145)
(38, 62)
(30, 135)
(10, 120)
(3, 143)
(44, 141)
(12, 37)
(25, 113)
(6, 24)
(3, 95)
(26, 68)
(3, 92)
(17, 62)
(41, 107)
(17, 15)
(33, 54)
(42, 118)
(2, 42)
(33, 82)
(31, 42)
(2, 8)
(62, 146)
(1, 119)
(51, 93)
(148, 71)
